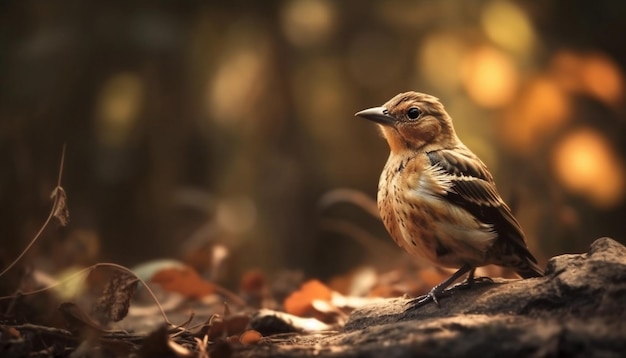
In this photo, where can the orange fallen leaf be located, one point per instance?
(183, 280)
(300, 303)
(253, 282)
(220, 327)
(250, 337)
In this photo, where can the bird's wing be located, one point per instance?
(474, 189)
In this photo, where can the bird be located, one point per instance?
(438, 200)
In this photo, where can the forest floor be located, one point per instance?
(577, 310)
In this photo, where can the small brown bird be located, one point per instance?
(437, 200)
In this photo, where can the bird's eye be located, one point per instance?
(413, 113)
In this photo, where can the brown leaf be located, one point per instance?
(60, 211)
(185, 281)
(218, 327)
(113, 304)
(10, 333)
(253, 282)
(250, 337)
(300, 303)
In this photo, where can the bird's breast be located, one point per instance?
(413, 207)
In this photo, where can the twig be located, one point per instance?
(49, 330)
(351, 196)
(55, 204)
(58, 332)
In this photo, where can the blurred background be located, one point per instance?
(199, 130)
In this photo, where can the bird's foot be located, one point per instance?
(436, 293)
(472, 281)
(433, 296)
(440, 291)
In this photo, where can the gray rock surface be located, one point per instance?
(577, 310)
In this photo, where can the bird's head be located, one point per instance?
(414, 121)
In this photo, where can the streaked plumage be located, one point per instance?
(438, 200)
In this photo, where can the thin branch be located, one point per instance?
(49, 330)
(61, 165)
(351, 196)
(45, 224)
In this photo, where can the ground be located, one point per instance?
(578, 309)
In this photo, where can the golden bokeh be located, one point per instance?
(509, 27)
(542, 108)
(308, 22)
(490, 77)
(236, 79)
(119, 104)
(236, 215)
(587, 164)
(594, 74)
(603, 79)
(439, 60)
(240, 75)
(565, 66)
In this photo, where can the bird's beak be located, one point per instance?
(377, 114)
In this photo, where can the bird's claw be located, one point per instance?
(420, 301)
(483, 279)
(432, 296)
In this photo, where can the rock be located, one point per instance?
(578, 309)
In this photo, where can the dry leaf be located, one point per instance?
(223, 327)
(300, 303)
(183, 280)
(60, 211)
(357, 282)
(9, 332)
(113, 303)
(270, 322)
(250, 337)
(253, 282)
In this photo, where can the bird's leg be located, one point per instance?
(470, 276)
(471, 280)
(438, 291)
